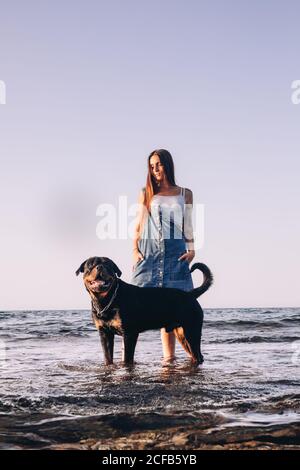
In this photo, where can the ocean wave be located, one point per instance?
(258, 339)
(40, 335)
(242, 323)
(275, 322)
(51, 402)
(295, 319)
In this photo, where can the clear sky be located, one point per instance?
(94, 86)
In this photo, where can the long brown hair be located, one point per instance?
(151, 187)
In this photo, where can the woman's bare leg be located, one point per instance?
(168, 343)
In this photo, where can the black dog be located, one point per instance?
(127, 310)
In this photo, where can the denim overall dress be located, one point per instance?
(161, 243)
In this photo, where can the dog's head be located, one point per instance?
(99, 274)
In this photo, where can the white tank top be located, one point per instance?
(172, 199)
(172, 207)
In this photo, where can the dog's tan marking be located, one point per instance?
(97, 322)
(115, 323)
(91, 276)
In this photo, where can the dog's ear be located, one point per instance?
(81, 268)
(115, 268)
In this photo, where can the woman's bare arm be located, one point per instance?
(188, 222)
(137, 230)
(188, 227)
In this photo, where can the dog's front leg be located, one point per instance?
(129, 344)
(107, 341)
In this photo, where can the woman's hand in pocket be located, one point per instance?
(137, 256)
(188, 256)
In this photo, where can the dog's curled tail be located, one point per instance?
(207, 282)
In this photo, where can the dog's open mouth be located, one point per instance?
(99, 285)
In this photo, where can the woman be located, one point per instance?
(163, 241)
